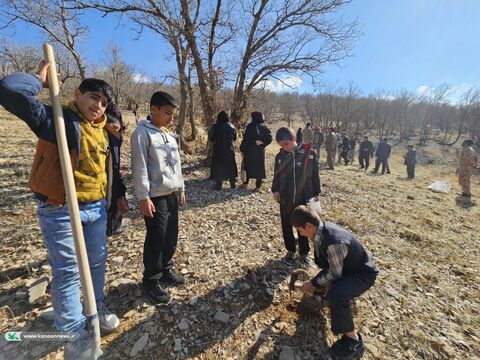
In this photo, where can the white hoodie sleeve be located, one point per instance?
(139, 156)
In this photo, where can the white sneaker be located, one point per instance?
(108, 322)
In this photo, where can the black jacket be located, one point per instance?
(357, 260)
(296, 176)
(254, 160)
(222, 135)
(366, 149)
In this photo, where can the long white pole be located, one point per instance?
(71, 196)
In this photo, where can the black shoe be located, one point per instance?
(156, 292)
(304, 261)
(172, 278)
(289, 259)
(347, 348)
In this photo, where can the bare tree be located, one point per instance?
(287, 37)
(116, 72)
(17, 58)
(432, 101)
(288, 103)
(54, 20)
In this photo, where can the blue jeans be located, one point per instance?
(57, 233)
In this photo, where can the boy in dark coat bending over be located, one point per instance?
(347, 272)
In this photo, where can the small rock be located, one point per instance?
(139, 345)
(183, 325)
(287, 353)
(193, 300)
(411, 235)
(184, 272)
(221, 317)
(178, 345)
(37, 290)
(117, 259)
(410, 197)
(47, 314)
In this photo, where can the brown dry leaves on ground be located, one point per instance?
(235, 304)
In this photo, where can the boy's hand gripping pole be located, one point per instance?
(90, 306)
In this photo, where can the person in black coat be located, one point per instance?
(365, 153)
(222, 135)
(256, 137)
(299, 136)
(345, 148)
(382, 154)
(410, 161)
(117, 204)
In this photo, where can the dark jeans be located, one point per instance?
(339, 297)
(345, 156)
(364, 161)
(384, 163)
(161, 239)
(411, 171)
(258, 182)
(287, 230)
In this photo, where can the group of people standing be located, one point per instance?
(222, 135)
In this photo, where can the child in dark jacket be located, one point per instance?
(410, 161)
(295, 181)
(347, 272)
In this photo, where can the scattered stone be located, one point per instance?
(139, 345)
(117, 259)
(37, 290)
(47, 314)
(178, 345)
(221, 317)
(193, 301)
(286, 353)
(183, 325)
(410, 197)
(411, 235)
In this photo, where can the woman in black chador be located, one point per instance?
(257, 136)
(222, 135)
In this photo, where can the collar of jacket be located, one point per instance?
(100, 124)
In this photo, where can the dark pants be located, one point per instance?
(287, 230)
(258, 182)
(339, 297)
(161, 239)
(364, 161)
(218, 184)
(411, 171)
(384, 163)
(345, 156)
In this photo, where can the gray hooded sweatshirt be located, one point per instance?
(155, 164)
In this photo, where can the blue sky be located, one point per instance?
(405, 45)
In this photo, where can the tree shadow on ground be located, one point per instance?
(205, 194)
(308, 341)
(239, 299)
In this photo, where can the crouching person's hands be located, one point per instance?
(308, 288)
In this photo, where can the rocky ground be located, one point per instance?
(235, 303)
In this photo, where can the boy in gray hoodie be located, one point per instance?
(159, 188)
